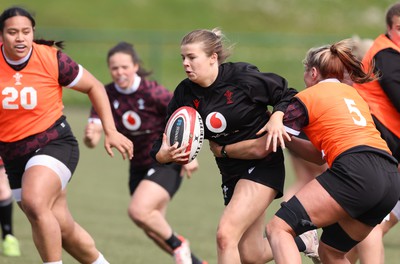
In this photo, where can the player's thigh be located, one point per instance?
(320, 206)
(356, 229)
(33, 192)
(249, 201)
(149, 196)
(157, 186)
(323, 211)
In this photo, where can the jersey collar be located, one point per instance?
(132, 89)
(330, 80)
(17, 62)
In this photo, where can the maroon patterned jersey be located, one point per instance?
(140, 116)
(68, 69)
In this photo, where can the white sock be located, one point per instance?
(100, 260)
(53, 262)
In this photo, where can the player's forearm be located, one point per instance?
(103, 109)
(306, 150)
(247, 149)
(97, 94)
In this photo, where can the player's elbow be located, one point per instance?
(260, 152)
(320, 162)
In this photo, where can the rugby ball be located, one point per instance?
(185, 125)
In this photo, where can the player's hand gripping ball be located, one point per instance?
(186, 126)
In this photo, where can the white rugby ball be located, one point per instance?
(185, 125)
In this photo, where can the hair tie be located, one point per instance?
(333, 49)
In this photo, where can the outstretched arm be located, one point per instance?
(95, 90)
(306, 150)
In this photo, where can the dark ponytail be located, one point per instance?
(58, 44)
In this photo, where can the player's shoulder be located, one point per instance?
(237, 67)
(238, 72)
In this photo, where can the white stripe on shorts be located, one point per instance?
(396, 210)
(52, 163)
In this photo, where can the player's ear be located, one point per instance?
(214, 58)
(314, 72)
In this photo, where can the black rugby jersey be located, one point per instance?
(140, 116)
(234, 107)
(387, 63)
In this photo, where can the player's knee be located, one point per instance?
(35, 211)
(273, 227)
(136, 215)
(140, 216)
(294, 214)
(224, 238)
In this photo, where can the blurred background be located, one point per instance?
(272, 34)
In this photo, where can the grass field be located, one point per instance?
(98, 198)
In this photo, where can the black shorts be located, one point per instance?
(269, 171)
(60, 144)
(167, 176)
(365, 184)
(391, 139)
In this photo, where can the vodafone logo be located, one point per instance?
(131, 120)
(216, 122)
